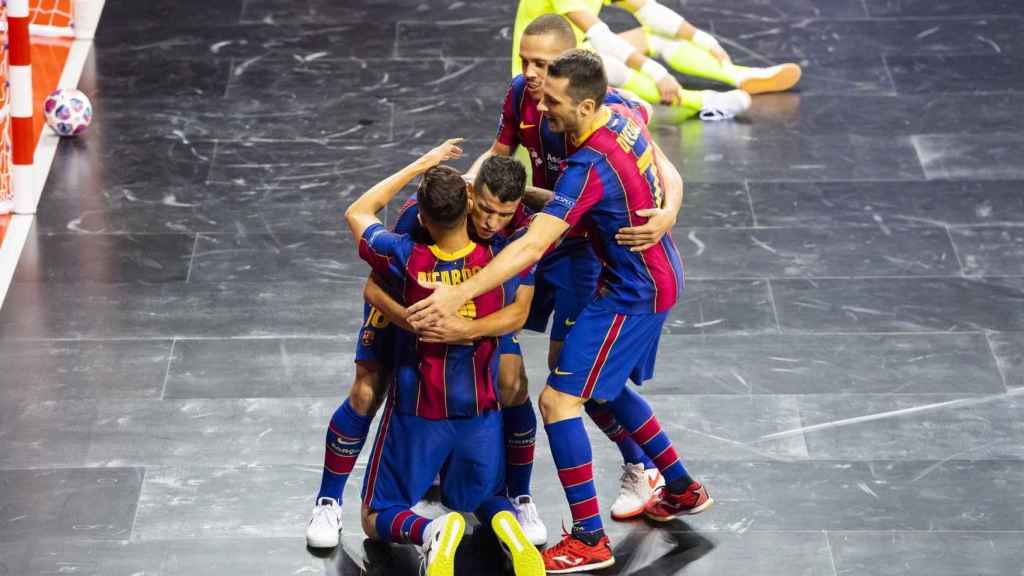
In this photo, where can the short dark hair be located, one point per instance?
(504, 177)
(442, 196)
(553, 24)
(585, 72)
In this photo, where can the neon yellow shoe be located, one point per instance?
(440, 541)
(526, 559)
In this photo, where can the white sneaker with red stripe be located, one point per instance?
(636, 486)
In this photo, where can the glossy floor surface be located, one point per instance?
(844, 372)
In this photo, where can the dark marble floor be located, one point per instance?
(845, 371)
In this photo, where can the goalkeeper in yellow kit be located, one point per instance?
(630, 62)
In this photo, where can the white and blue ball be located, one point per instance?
(68, 111)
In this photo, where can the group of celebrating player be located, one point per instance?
(475, 257)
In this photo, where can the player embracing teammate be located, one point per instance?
(615, 171)
(613, 189)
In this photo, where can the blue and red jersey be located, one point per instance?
(433, 380)
(521, 124)
(613, 174)
(409, 223)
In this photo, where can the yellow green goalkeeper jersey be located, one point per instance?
(530, 9)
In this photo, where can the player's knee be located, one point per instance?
(513, 385)
(369, 520)
(556, 406)
(364, 396)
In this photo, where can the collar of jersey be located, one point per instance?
(449, 256)
(604, 115)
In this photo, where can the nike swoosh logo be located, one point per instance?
(525, 126)
(569, 322)
(560, 373)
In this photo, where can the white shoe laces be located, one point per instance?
(632, 478)
(325, 515)
(526, 510)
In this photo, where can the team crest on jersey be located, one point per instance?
(368, 337)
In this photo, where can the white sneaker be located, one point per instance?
(325, 524)
(529, 519)
(723, 105)
(769, 79)
(440, 541)
(636, 486)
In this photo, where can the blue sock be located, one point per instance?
(400, 525)
(488, 508)
(520, 424)
(570, 449)
(633, 412)
(631, 452)
(346, 435)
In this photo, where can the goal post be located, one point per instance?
(19, 21)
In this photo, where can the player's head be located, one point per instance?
(442, 199)
(497, 192)
(574, 90)
(543, 40)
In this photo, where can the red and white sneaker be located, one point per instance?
(664, 505)
(574, 555)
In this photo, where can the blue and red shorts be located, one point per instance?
(606, 348)
(410, 451)
(376, 338)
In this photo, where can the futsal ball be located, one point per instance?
(68, 112)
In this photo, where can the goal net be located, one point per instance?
(49, 18)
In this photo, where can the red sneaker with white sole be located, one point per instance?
(574, 555)
(664, 505)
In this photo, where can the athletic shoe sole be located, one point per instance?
(585, 567)
(636, 513)
(526, 559)
(313, 542)
(690, 512)
(786, 77)
(451, 534)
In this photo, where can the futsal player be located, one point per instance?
(497, 209)
(443, 411)
(616, 170)
(566, 278)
